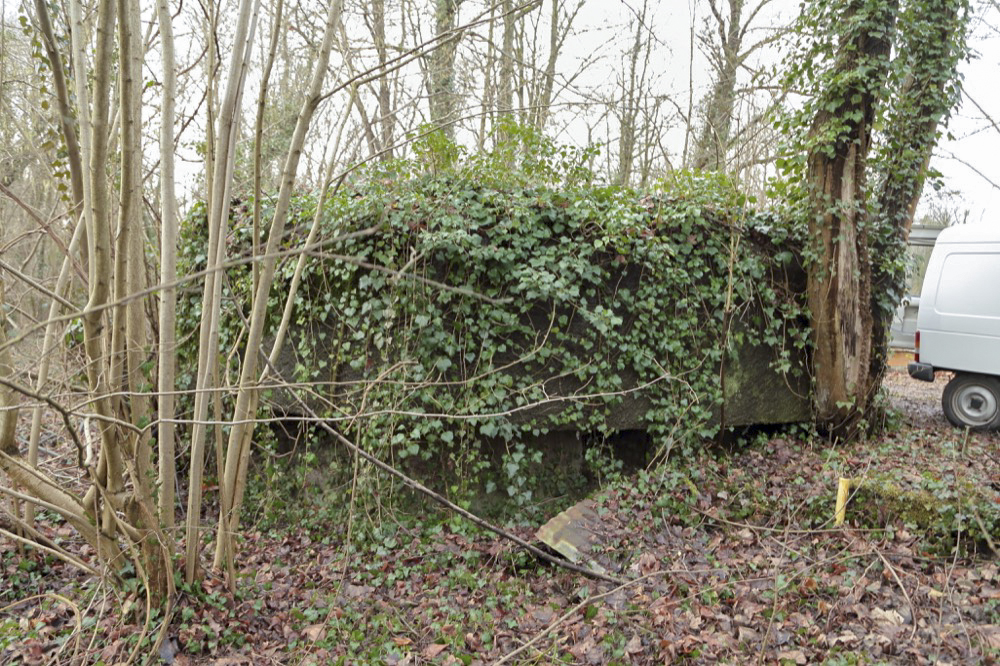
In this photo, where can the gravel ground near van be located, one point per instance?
(919, 403)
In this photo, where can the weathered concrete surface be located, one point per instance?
(755, 393)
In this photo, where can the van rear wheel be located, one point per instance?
(972, 401)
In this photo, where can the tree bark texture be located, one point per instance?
(237, 457)
(66, 123)
(839, 274)
(505, 94)
(50, 342)
(97, 331)
(166, 467)
(221, 179)
(386, 113)
(632, 94)
(544, 99)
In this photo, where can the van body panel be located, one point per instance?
(957, 351)
(959, 316)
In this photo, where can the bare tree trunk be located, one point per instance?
(374, 147)
(265, 81)
(505, 95)
(63, 100)
(97, 517)
(48, 494)
(167, 468)
(211, 67)
(223, 152)
(130, 240)
(386, 113)
(713, 141)
(75, 162)
(628, 110)
(233, 481)
(689, 119)
(49, 343)
(96, 337)
(839, 291)
(557, 38)
(141, 508)
(521, 78)
(8, 399)
(489, 83)
(727, 50)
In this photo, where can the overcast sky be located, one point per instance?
(971, 161)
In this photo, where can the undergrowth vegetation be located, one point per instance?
(704, 539)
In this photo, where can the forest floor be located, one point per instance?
(729, 556)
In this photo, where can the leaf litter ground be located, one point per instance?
(728, 558)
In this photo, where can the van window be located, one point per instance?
(968, 285)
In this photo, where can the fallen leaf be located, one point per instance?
(314, 632)
(845, 638)
(991, 633)
(582, 648)
(798, 656)
(357, 591)
(433, 650)
(887, 616)
(596, 656)
(648, 563)
(543, 615)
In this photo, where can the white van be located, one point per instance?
(958, 325)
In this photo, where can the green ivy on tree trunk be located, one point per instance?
(865, 64)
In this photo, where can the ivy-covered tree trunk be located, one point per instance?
(441, 68)
(925, 89)
(859, 231)
(840, 270)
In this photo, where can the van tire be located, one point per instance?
(972, 401)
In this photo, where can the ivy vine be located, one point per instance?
(500, 299)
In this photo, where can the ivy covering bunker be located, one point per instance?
(496, 308)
